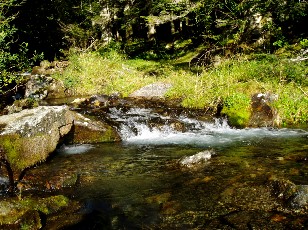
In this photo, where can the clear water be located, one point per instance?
(208, 177)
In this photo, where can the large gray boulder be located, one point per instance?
(28, 137)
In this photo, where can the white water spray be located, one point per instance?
(136, 128)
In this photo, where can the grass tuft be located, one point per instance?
(232, 83)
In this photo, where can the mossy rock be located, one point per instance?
(26, 213)
(257, 111)
(28, 137)
(23, 152)
(237, 108)
(238, 117)
(86, 130)
(84, 134)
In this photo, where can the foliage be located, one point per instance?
(152, 28)
(120, 46)
(292, 103)
(237, 108)
(232, 83)
(10, 61)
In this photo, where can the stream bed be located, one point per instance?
(182, 173)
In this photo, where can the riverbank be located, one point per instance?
(226, 83)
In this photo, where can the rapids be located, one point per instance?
(179, 172)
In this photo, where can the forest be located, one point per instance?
(149, 35)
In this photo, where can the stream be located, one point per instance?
(178, 172)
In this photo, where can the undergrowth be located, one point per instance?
(231, 83)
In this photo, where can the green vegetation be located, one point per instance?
(13, 57)
(28, 212)
(12, 147)
(120, 46)
(231, 83)
(90, 73)
(237, 108)
(47, 205)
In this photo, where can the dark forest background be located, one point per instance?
(33, 30)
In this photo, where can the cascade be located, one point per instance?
(144, 126)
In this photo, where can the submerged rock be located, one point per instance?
(294, 197)
(96, 101)
(30, 213)
(196, 160)
(300, 198)
(28, 137)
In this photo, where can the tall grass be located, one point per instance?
(232, 83)
(91, 73)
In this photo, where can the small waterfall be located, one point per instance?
(143, 126)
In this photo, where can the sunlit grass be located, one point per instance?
(93, 73)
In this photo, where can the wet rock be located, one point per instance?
(56, 89)
(28, 212)
(62, 181)
(282, 189)
(103, 100)
(251, 220)
(156, 90)
(159, 198)
(263, 114)
(300, 198)
(96, 101)
(19, 105)
(78, 101)
(249, 197)
(178, 126)
(28, 137)
(65, 218)
(86, 130)
(294, 197)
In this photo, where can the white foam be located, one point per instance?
(74, 149)
(135, 129)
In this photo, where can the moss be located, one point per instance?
(238, 118)
(237, 109)
(31, 220)
(109, 135)
(22, 152)
(27, 103)
(47, 205)
(56, 203)
(24, 214)
(12, 146)
(83, 134)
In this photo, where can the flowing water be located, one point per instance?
(181, 173)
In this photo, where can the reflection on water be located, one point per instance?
(175, 172)
(141, 183)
